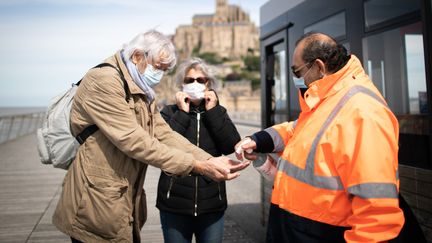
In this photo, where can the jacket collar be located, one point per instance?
(199, 108)
(329, 85)
(133, 87)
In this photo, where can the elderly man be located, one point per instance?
(103, 198)
(337, 173)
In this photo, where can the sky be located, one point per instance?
(46, 45)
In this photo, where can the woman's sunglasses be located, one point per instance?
(201, 80)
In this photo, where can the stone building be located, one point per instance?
(228, 32)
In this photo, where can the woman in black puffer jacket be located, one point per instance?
(196, 204)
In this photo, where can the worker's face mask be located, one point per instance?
(195, 90)
(299, 83)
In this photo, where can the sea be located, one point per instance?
(9, 111)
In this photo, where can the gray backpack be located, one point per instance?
(55, 142)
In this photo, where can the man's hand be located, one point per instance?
(220, 168)
(182, 101)
(244, 149)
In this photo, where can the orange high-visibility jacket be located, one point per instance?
(339, 160)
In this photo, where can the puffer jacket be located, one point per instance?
(103, 199)
(196, 194)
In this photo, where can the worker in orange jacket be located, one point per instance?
(337, 175)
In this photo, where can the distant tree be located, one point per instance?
(226, 59)
(196, 49)
(252, 63)
(210, 57)
(250, 51)
(233, 77)
(256, 83)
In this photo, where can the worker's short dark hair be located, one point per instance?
(325, 48)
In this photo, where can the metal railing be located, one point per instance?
(13, 126)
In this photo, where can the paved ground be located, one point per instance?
(29, 192)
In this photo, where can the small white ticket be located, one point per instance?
(240, 150)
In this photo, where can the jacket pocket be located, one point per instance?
(103, 209)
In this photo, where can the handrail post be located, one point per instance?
(10, 127)
(21, 125)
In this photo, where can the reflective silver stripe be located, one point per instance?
(307, 175)
(374, 190)
(278, 142)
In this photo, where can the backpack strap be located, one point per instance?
(86, 133)
(82, 136)
(125, 84)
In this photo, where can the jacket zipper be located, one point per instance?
(198, 127)
(196, 195)
(196, 177)
(170, 186)
(220, 196)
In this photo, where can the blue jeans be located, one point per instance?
(179, 228)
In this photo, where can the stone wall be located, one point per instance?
(238, 97)
(415, 187)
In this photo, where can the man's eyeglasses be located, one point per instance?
(158, 66)
(296, 72)
(201, 80)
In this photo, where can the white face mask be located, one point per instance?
(195, 90)
(151, 75)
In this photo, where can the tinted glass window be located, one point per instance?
(280, 83)
(378, 11)
(333, 26)
(395, 62)
(399, 75)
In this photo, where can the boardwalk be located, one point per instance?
(29, 192)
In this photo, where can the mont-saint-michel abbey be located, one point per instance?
(228, 32)
(228, 37)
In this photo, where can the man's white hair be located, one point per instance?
(154, 45)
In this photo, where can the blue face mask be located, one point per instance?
(152, 76)
(299, 83)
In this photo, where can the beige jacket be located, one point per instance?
(103, 199)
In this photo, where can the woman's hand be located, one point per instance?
(182, 101)
(210, 99)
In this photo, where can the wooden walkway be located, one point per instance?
(29, 192)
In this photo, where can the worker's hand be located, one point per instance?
(182, 101)
(244, 149)
(220, 168)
